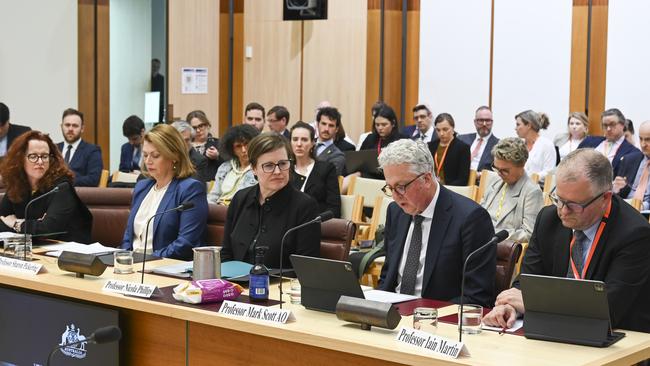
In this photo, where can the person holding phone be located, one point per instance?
(203, 141)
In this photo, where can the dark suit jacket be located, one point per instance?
(15, 131)
(174, 233)
(213, 165)
(628, 168)
(86, 164)
(61, 211)
(457, 162)
(249, 225)
(459, 227)
(335, 156)
(621, 260)
(624, 149)
(201, 165)
(409, 130)
(344, 145)
(322, 185)
(126, 159)
(486, 159)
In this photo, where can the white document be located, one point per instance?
(9, 235)
(94, 248)
(387, 297)
(518, 324)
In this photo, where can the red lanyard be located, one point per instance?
(379, 146)
(442, 160)
(601, 227)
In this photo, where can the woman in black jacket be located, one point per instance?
(451, 156)
(384, 131)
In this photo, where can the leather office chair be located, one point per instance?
(216, 223)
(110, 208)
(508, 253)
(336, 237)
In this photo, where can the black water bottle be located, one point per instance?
(258, 285)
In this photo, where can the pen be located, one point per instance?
(503, 330)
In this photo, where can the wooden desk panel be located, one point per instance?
(150, 339)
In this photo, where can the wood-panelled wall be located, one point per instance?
(238, 63)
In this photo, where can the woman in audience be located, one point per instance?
(314, 177)
(451, 156)
(260, 215)
(513, 201)
(32, 168)
(384, 131)
(167, 167)
(577, 130)
(203, 141)
(236, 173)
(541, 151)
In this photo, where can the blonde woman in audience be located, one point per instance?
(541, 151)
(577, 130)
(513, 201)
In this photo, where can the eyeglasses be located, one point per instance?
(418, 117)
(483, 121)
(500, 171)
(33, 158)
(400, 189)
(572, 206)
(607, 126)
(281, 164)
(202, 126)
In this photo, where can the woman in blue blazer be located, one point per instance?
(168, 168)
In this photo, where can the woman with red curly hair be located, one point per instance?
(34, 166)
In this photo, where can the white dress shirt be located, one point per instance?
(606, 148)
(75, 145)
(148, 208)
(477, 158)
(427, 135)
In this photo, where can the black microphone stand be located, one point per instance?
(29, 204)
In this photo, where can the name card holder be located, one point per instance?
(256, 312)
(24, 267)
(130, 288)
(431, 343)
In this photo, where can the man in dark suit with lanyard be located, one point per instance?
(431, 230)
(84, 159)
(590, 233)
(8, 131)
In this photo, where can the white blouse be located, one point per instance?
(148, 208)
(568, 147)
(541, 158)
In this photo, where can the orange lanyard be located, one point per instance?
(442, 160)
(601, 227)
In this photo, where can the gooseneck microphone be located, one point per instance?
(29, 204)
(497, 238)
(182, 207)
(102, 335)
(319, 219)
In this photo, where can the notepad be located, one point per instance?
(94, 248)
(231, 269)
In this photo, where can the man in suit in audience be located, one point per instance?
(131, 151)
(84, 159)
(254, 115)
(632, 178)
(613, 145)
(481, 142)
(278, 119)
(431, 230)
(329, 121)
(592, 234)
(423, 128)
(8, 131)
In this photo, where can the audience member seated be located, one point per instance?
(203, 141)
(450, 155)
(167, 168)
(314, 177)
(431, 230)
(423, 128)
(84, 159)
(329, 123)
(577, 130)
(260, 215)
(33, 167)
(542, 156)
(131, 154)
(632, 181)
(277, 119)
(200, 162)
(8, 130)
(613, 145)
(481, 142)
(236, 173)
(589, 234)
(513, 201)
(384, 131)
(342, 141)
(254, 115)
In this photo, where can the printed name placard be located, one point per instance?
(16, 265)
(256, 312)
(431, 343)
(129, 288)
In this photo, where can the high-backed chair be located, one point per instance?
(378, 215)
(110, 208)
(508, 253)
(336, 238)
(634, 202)
(351, 207)
(471, 181)
(216, 223)
(487, 177)
(103, 179)
(370, 189)
(467, 191)
(549, 186)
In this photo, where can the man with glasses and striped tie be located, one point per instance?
(589, 233)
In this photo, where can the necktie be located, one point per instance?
(643, 183)
(412, 258)
(477, 148)
(319, 148)
(67, 154)
(136, 157)
(578, 251)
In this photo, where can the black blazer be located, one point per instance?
(628, 168)
(61, 211)
(457, 162)
(213, 165)
(621, 260)
(86, 164)
(249, 225)
(15, 131)
(459, 226)
(322, 185)
(344, 145)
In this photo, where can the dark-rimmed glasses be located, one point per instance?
(281, 164)
(33, 158)
(400, 188)
(572, 206)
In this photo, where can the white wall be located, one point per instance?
(38, 61)
(130, 66)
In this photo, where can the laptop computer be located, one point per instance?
(361, 161)
(567, 310)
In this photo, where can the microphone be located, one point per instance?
(102, 335)
(29, 204)
(324, 216)
(497, 238)
(182, 207)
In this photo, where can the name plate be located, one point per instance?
(431, 343)
(16, 265)
(129, 288)
(256, 312)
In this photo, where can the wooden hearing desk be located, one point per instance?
(163, 334)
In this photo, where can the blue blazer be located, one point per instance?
(174, 233)
(486, 159)
(459, 227)
(624, 149)
(86, 164)
(628, 168)
(126, 159)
